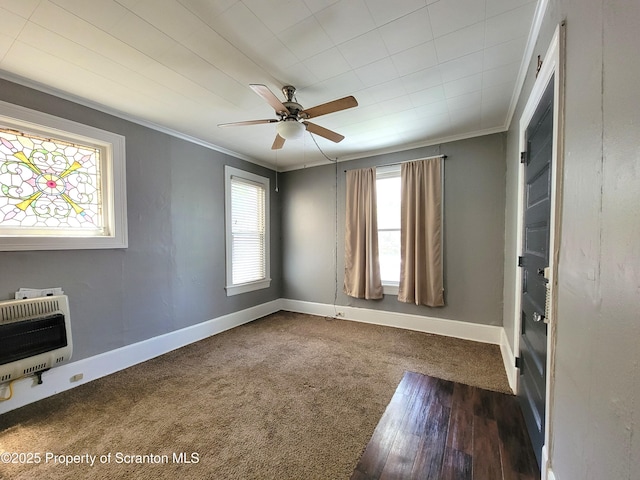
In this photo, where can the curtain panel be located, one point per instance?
(361, 262)
(421, 275)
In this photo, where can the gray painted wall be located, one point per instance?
(473, 231)
(595, 409)
(173, 273)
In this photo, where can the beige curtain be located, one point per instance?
(421, 279)
(361, 264)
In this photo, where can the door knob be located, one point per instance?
(537, 317)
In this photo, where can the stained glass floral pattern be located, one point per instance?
(48, 184)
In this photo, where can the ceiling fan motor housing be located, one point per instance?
(295, 110)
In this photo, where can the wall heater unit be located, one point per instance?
(35, 335)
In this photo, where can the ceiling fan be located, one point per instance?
(292, 121)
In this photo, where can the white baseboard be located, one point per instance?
(509, 360)
(59, 379)
(440, 326)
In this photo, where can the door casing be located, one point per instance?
(553, 64)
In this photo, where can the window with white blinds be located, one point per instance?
(247, 231)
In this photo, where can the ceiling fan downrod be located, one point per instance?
(289, 92)
(295, 109)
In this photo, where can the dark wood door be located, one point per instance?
(537, 212)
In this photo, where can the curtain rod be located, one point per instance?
(404, 161)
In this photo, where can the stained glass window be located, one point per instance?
(49, 184)
(62, 183)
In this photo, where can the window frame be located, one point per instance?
(230, 287)
(113, 179)
(389, 171)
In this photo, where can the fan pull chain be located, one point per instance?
(324, 154)
(277, 171)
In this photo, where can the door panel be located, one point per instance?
(537, 187)
(536, 230)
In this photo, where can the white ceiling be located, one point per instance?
(423, 71)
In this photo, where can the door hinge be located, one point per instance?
(523, 157)
(518, 362)
(521, 261)
(538, 66)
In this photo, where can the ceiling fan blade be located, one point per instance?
(278, 143)
(330, 107)
(248, 122)
(323, 132)
(271, 99)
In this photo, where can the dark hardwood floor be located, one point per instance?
(435, 429)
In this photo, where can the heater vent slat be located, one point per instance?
(14, 312)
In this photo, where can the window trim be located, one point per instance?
(230, 287)
(113, 175)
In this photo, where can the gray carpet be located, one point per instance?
(289, 396)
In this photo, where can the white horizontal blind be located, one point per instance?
(248, 231)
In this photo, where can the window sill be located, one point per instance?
(390, 289)
(247, 287)
(17, 243)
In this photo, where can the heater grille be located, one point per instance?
(26, 338)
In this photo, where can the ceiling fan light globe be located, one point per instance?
(290, 129)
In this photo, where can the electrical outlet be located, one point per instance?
(77, 377)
